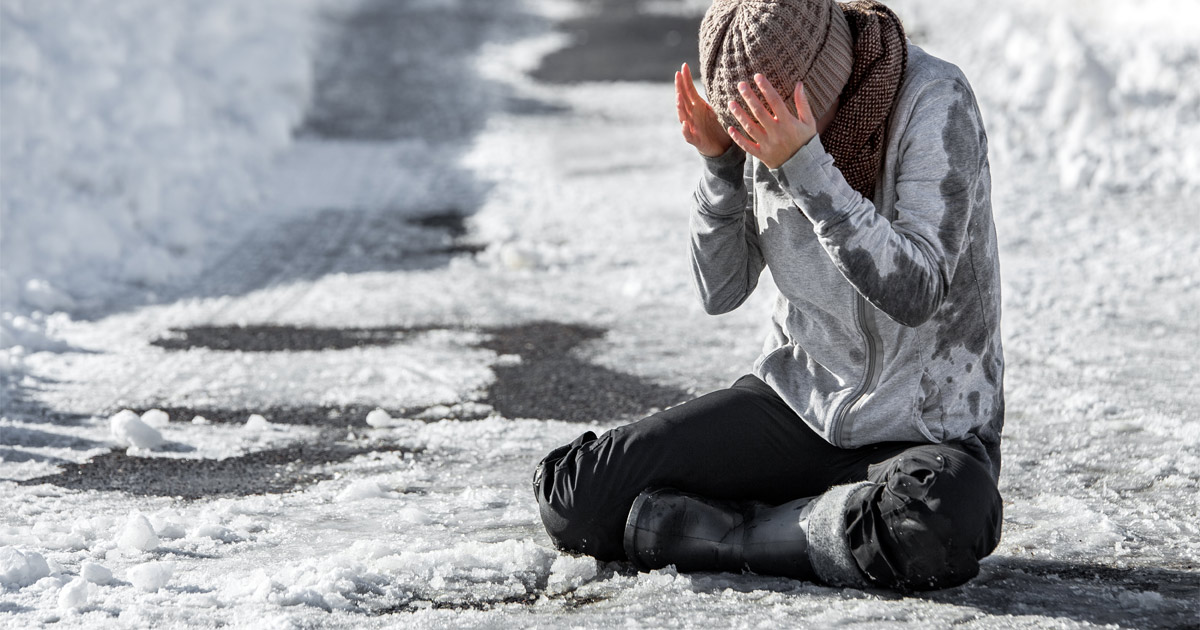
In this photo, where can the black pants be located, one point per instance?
(929, 515)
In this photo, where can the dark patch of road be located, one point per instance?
(454, 224)
(1081, 591)
(404, 69)
(272, 338)
(550, 382)
(615, 42)
(265, 472)
(553, 382)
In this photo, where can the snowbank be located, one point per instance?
(135, 133)
(1108, 97)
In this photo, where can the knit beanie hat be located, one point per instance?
(785, 40)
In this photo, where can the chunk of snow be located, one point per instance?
(378, 418)
(20, 569)
(127, 429)
(200, 420)
(137, 534)
(166, 524)
(569, 573)
(508, 360)
(74, 595)
(517, 257)
(151, 576)
(256, 423)
(217, 532)
(95, 573)
(436, 412)
(156, 418)
(413, 515)
(364, 489)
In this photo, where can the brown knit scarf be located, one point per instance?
(858, 133)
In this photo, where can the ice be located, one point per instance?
(137, 534)
(19, 569)
(95, 573)
(74, 595)
(150, 576)
(127, 429)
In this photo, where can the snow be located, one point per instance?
(156, 418)
(257, 423)
(150, 576)
(378, 418)
(19, 568)
(137, 534)
(163, 148)
(95, 573)
(74, 595)
(128, 429)
(144, 130)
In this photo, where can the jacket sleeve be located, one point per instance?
(903, 267)
(726, 259)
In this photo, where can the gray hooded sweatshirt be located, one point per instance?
(887, 324)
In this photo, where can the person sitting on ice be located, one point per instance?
(864, 448)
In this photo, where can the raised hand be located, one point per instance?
(701, 127)
(774, 134)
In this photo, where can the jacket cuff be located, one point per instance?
(722, 188)
(829, 548)
(807, 177)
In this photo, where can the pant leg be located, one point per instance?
(925, 519)
(742, 443)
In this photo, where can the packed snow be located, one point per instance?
(153, 185)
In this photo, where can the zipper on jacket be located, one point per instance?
(868, 382)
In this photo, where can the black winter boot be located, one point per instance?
(666, 526)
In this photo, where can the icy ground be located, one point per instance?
(498, 263)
